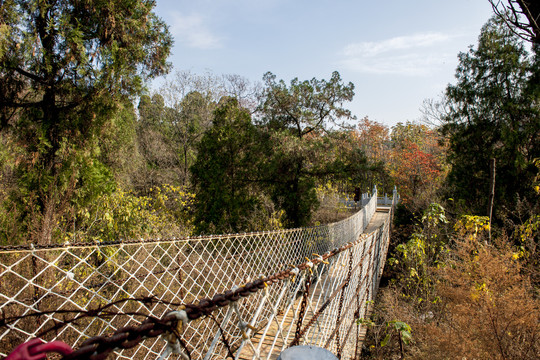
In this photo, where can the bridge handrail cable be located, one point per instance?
(244, 286)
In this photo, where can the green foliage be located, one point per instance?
(168, 135)
(462, 296)
(224, 170)
(191, 117)
(9, 226)
(282, 157)
(124, 215)
(63, 73)
(493, 112)
(417, 164)
(373, 139)
(423, 250)
(410, 133)
(388, 329)
(291, 188)
(332, 208)
(297, 119)
(527, 235)
(305, 106)
(35, 201)
(403, 330)
(118, 145)
(156, 144)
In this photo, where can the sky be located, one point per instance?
(397, 53)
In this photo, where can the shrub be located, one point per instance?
(483, 305)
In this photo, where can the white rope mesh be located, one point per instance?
(183, 271)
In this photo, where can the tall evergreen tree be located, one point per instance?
(299, 117)
(224, 172)
(63, 67)
(493, 112)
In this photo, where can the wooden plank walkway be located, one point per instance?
(378, 219)
(286, 319)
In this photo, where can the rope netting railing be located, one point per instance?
(212, 297)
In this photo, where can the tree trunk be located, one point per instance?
(491, 193)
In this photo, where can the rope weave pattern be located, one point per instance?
(241, 293)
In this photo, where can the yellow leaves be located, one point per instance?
(481, 291)
(481, 287)
(471, 225)
(520, 253)
(5, 35)
(529, 228)
(123, 214)
(276, 220)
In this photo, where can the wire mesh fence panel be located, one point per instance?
(313, 283)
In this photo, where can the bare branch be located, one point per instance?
(521, 16)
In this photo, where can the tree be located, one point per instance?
(61, 61)
(224, 171)
(157, 145)
(426, 138)
(190, 120)
(416, 174)
(493, 112)
(64, 65)
(212, 87)
(307, 106)
(373, 138)
(416, 163)
(299, 118)
(512, 13)
(118, 146)
(189, 101)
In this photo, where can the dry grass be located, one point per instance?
(483, 307)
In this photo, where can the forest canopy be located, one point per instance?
(88, 153)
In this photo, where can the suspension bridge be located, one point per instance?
(240, 296)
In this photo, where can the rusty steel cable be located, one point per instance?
(348, 305)
(340, 307)
(99, 347)
(128, 337)
(302, 311)
(166, 258)
(332, 297)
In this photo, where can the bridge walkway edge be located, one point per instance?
(378, 219)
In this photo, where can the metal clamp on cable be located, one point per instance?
(173, 343)
(320, 259)
(294, 272)
(309, 265)
(242, 325)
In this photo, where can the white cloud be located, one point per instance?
(192, 31)
(367, 49)
(409, 64)
(413, 55)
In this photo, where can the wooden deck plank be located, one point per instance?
(247, 353)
